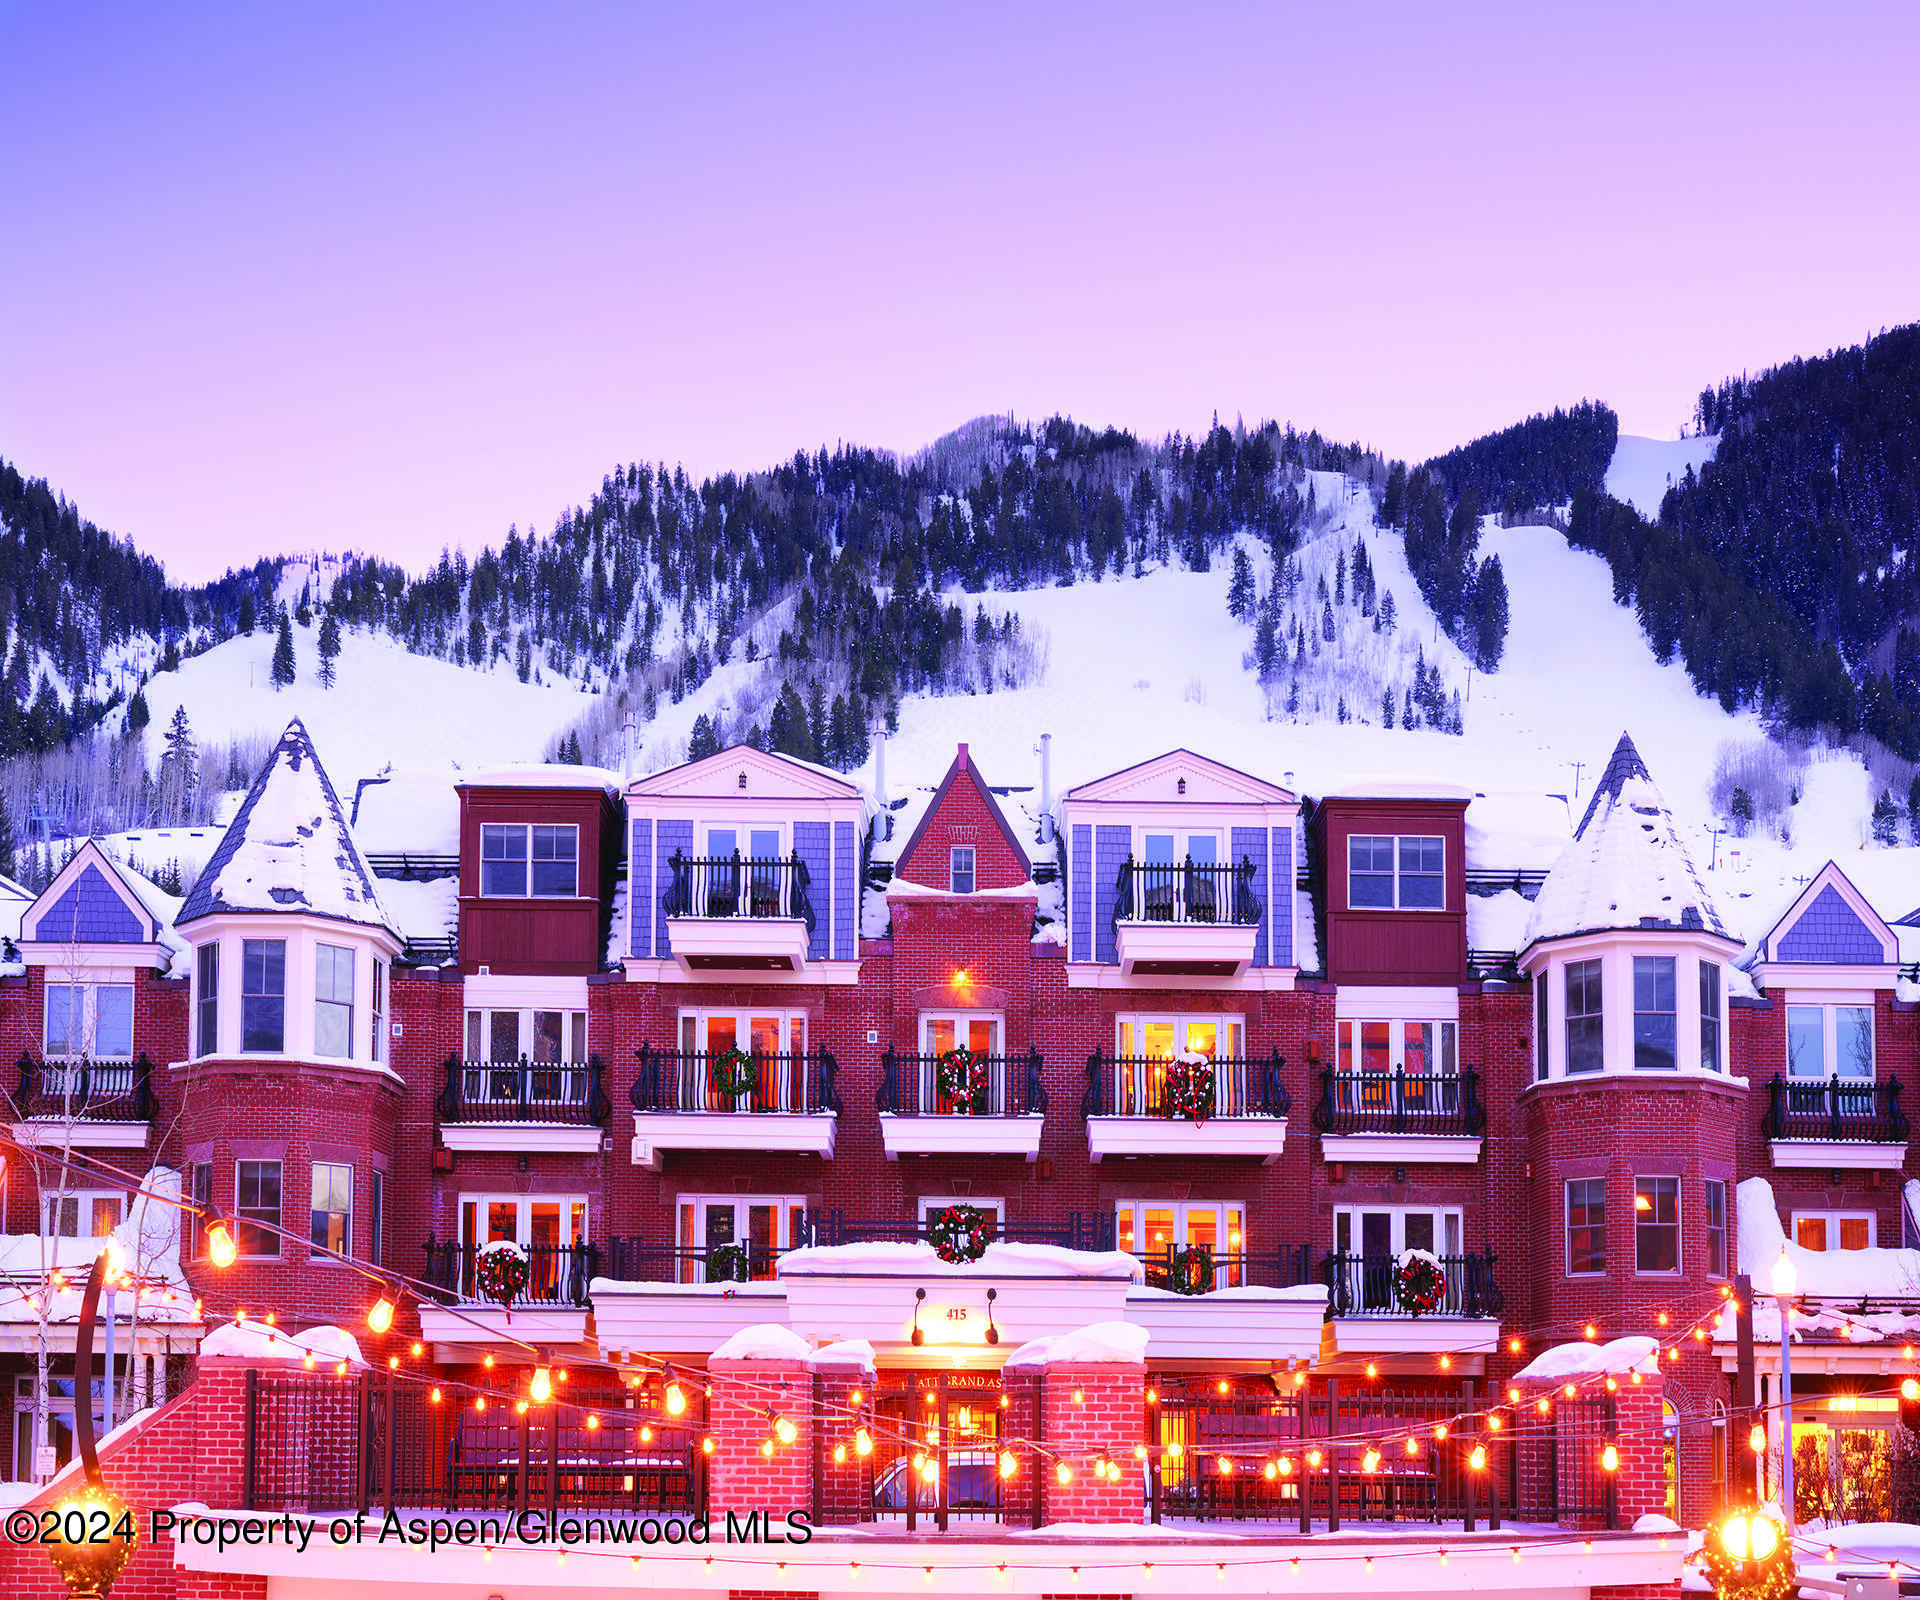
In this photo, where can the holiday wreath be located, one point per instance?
(959, 1233)
(1190, 1270)
(501, 1272)
(1190, 1087)
(1419, 1283)
(960, 1076)
(727, 1263)
(733, 1072)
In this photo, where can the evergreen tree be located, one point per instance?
(246, 620)
(1340, 578)
(1293, 698)
(1342, 713)
(138, 716)
(787, 730)
(1387, 614)
(284, 670)
(179, 779)
(523, 658)
(1490, 615)
(1886, 818)
(1266, 648)
(1913, 810)
(1326, 623)
(329, 648)
(703, 742)
(1240, 587)
(9, 844)
(1386, 706)
(1740, 808)
(818, 731)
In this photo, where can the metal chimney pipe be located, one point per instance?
(1046, 787)
(880, 778)
(629, 740)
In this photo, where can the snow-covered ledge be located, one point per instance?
(84, 1134)
(1232, 1325)
(678, 1319)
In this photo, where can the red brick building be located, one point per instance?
(735, 1044)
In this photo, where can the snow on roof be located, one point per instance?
(289, 849)
(408, 813)
(544, 775)
(847, 1353)
(260, 1341)
(1517, 828)
(1497, 921)
(1098, 1343)
(763, 1341)
(1395, 788)
(905, 822)
(1626, 867)
(417, 909)
(1859, 1275)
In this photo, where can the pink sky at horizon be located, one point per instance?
(275, 282)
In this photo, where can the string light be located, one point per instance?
(380, 1315)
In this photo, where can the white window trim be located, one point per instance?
(280, 1223)
(525, 1051)
(1396, 838)
(1183, 1210)
(994, 1206)
(1183, 835)
(1833, 1219)
(529, 893)
(1566, 1219)
(523, 1212)
(744, 830)
(1224, 1022)
(1397, 1044)
(351, 1003)
(1679, 1224)
(1441, 1214)
(960, 1019)
(741, 1018)
(972, 853)
(783, 1206)
(83, 1209)
(90, 988)
(1828, 1006)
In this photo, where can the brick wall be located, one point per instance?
(1090, 1410)
(748, 1398)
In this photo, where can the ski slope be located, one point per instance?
(387, 706)
(1643, 470)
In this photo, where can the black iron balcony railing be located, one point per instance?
(1369, 1286)
(667, 1080)
(910, 1086)
(1186, 891)
(1136, 1086)
(1195, 1269)
(115, 1090)
(1079, 1230)
(1400, 1102)
(1838, 1110)
(738, 886)
(571, 1093)
(557, 1274)
(636, 1260)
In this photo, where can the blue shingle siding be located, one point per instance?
(1249, 844)
(1280, 906)
(1080, 886)
(91, 912)
(846, 870)
(810, 843)
(640, 887)
(1111, 846)
(1830, 930)
(672, 835)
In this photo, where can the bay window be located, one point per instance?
(263, 995)
(1586, 1026)
(256, 1207)
(207, 1000)
(1586, 1227)
(333, 1207)
(1653, 1014)
(333, 1001)
(1656, 1225)
(1709, 1016)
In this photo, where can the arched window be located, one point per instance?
(1670, 1457)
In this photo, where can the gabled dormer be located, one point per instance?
(1830, 937)
(962, 843)
(744, 862)
(291, 948)
(1180, 867)
(98, 912)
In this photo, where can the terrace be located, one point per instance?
(109, 1102)
(1836, 1122)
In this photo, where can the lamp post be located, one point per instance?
(1785, 1280)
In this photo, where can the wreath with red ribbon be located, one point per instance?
(733, 1072)
(960, 1076)
(727, 1263)
(1419, 1284)
(1190, 1088)
(501, 1273)
(959, 1233)
(1190, 1270)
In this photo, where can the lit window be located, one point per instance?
(1833, 1230)
(1656, 1225)
(98, 1211)
(1586, 1227)
(333, 1206)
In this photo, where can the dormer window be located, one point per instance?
(960, 869)
(540, 859)
(89, 1019)
(263, 995)
(1396, 872)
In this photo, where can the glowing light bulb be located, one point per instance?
(784, 1431)
(1610, 1459)
(676, 1400)
(1478, 1459)
(541, 1390)
(380, 1315)
(1008, 1466)
(1063, 1473)
(863, 1442)
(221, 1250)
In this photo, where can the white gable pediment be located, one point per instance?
(1161, 780)
(767, 777)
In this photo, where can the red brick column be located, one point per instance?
(1088, 1411)
(1642, 1478)
(748, 1398)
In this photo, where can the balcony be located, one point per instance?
(108, 1104)
(523, 1106)
(551, 1307)
(1853, 1123)
(738, 913)
(1400, 1117)
(1367, 1312)
(684, 1101)
(1129, 1111)
(1185, 919)
(1002, 1117)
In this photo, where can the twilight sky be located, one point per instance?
(391, 277)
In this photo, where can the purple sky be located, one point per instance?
(388, 277)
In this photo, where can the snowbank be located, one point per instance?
(848, 1354)
(999, 1261)
(1586, 1363)
(1098, 1344)
(263, 1342)
(1841, 1275)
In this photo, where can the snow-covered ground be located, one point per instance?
(1644, 469)
(387, 706)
